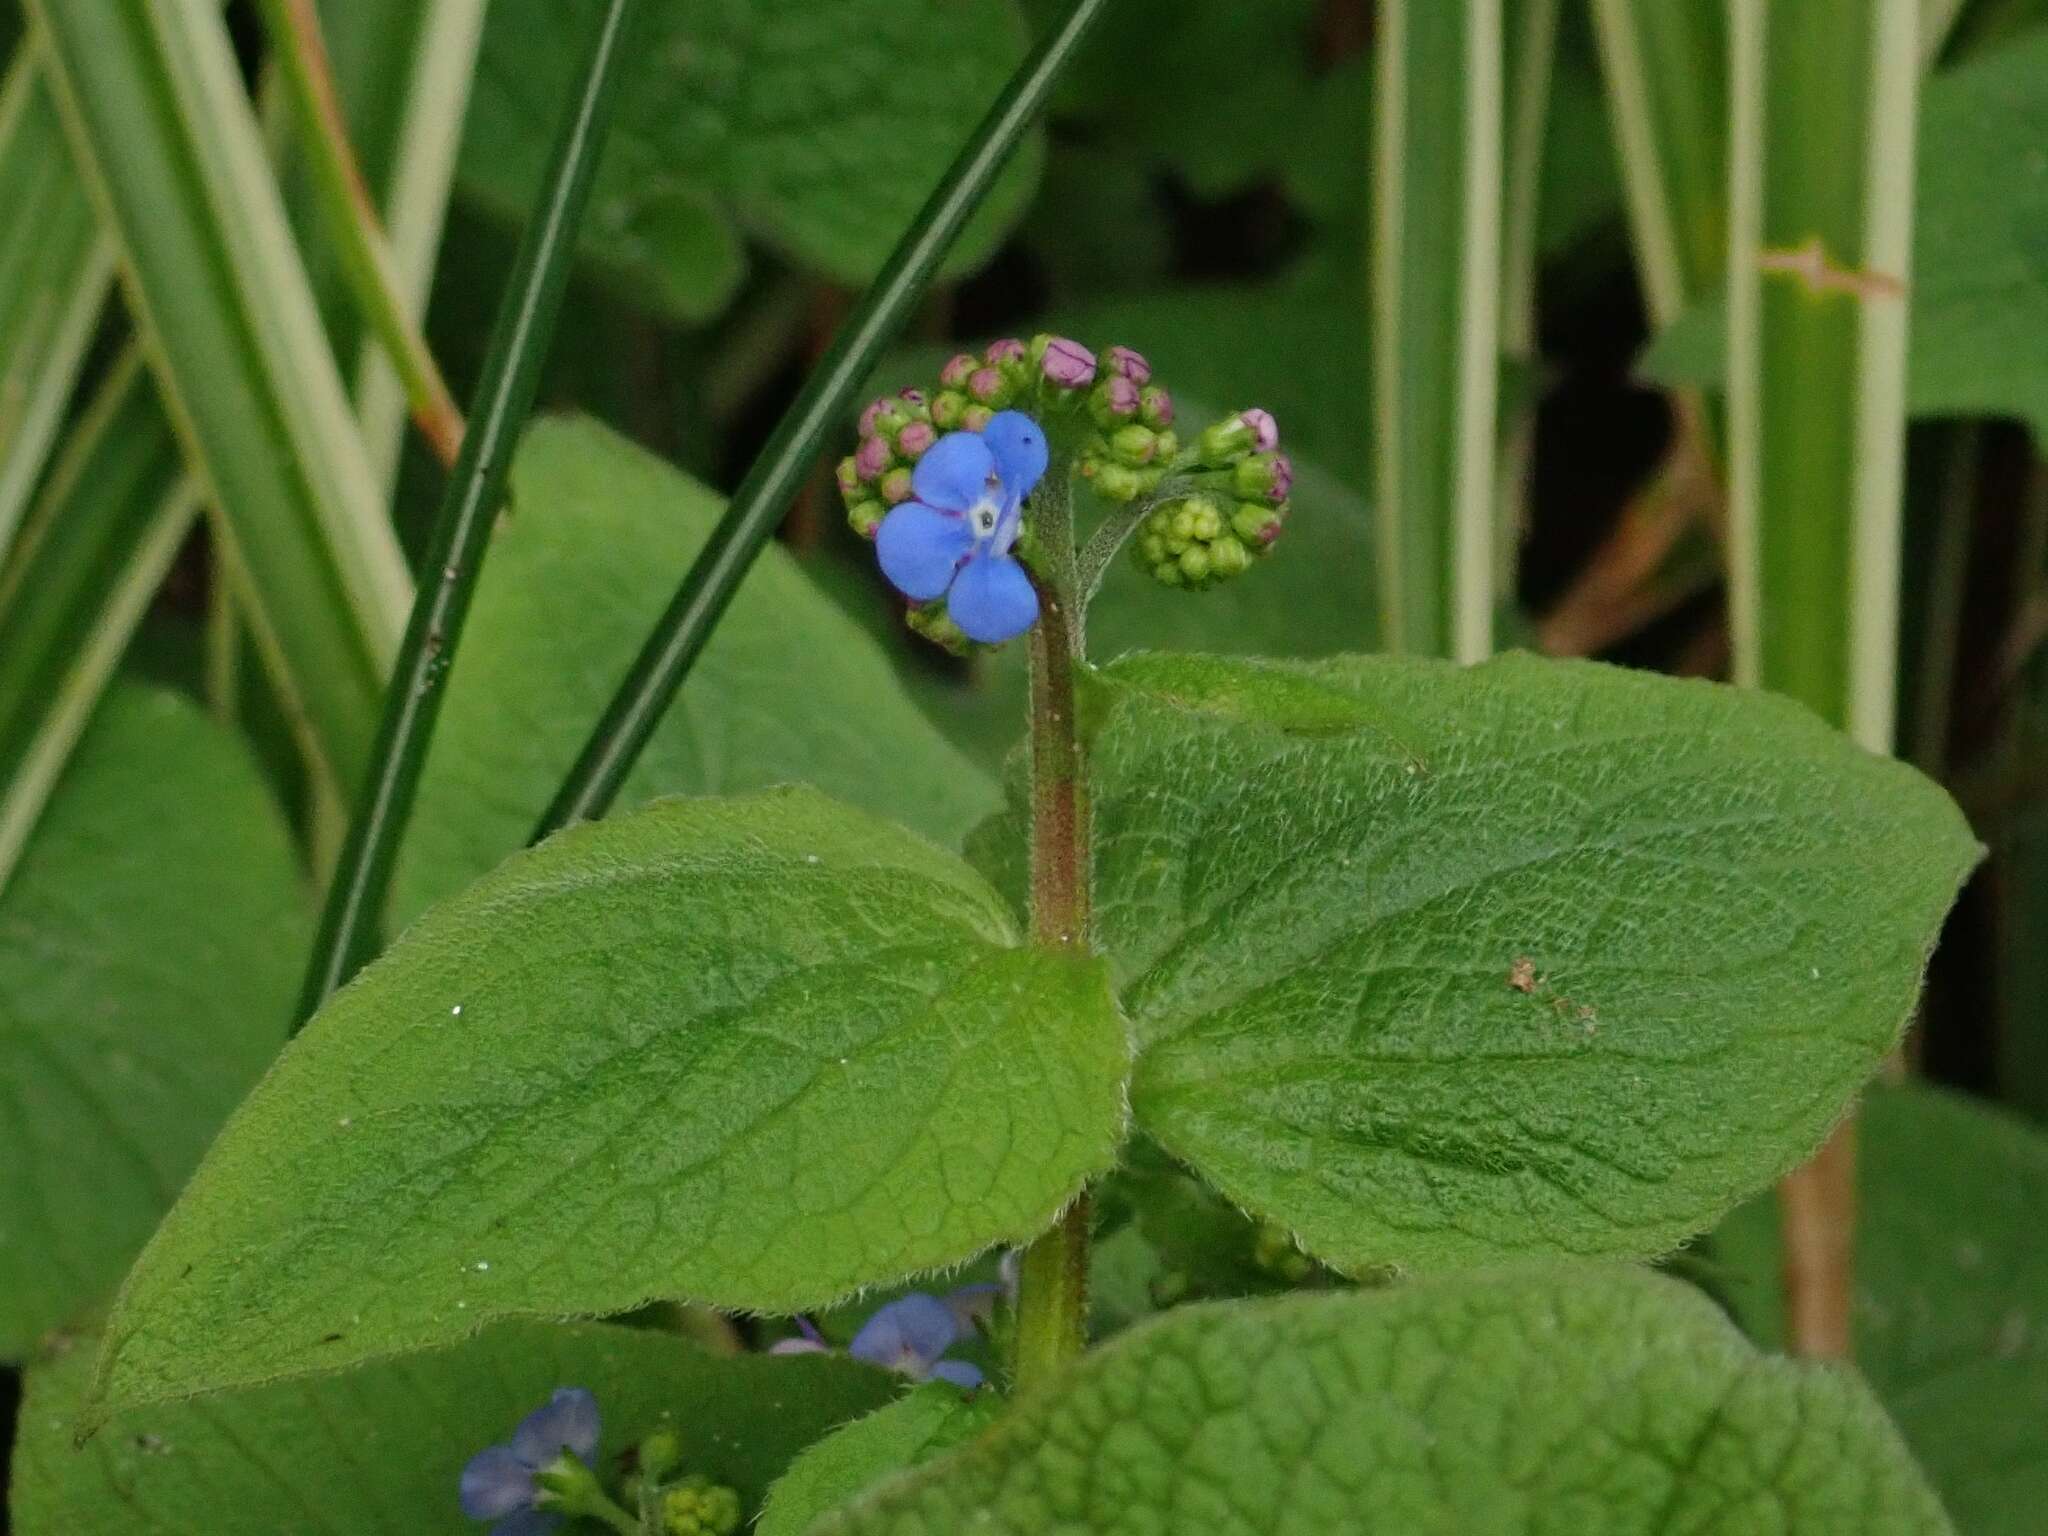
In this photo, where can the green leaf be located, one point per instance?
(821, 129)
(149, 943)
(1210, 89)
(586, 558)
(382, 1449)
(1605, 1402)
(1439, 966)
(1951, 1312)
(909, 1432)
(755, 1053)
(1980, 258)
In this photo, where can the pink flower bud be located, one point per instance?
(872, 458)
(1008, 350)
(915, 439)
(914, 398)
(867, 417)
(1265, 430)
(1069, 364)
(1131, 365)
(957, 370)
(975, 417)
(1155, 405)
(985, 385)
(896, 485)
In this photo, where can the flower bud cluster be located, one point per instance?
(699, 1507)
(1109, 405)
(895, 432)
(1235, 511)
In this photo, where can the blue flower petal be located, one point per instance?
(959, 1372)
(991, 599)
(906, 1335)
(567, 1421)
(954, 472)
(1018, 444)
(528, 1522)
(496, 1482)
(920, 548)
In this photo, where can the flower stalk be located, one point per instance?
(1052, 1295)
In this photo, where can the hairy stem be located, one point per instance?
(1817, 1211)
(1052, 1298)
(294, 28)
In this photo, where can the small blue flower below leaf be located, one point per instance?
(953, 540)
(501, 1482)
(910, 1336)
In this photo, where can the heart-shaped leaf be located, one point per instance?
(756, 1053)
(1599, 1401)
(1439, 966)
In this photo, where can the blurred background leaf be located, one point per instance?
(1951, 1291)
(818, 130)
(149, 944)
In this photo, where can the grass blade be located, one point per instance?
(519, 344)
(55, 272)
(1820, 224)
(821, 408)
(1436, 296)
(157, 117)
(117, 506)
(353, 222)
(1666, 67)
(1532, 32)
(415, 176)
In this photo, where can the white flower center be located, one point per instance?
(983, 517)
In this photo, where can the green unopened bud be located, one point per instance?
(1114, 482)
(848, 476)
(1135, 446)
(865, 517)
(895, 414)
(895, 485)
(1194, 564)
(1258, 525)
(1223, 442)
(1263, 477)
(933, 622)
(1197, 518)
(660, 1454)
(1228, 558)
(947, 407)
(975, 418)
(700, 1507)
(1273, 1250)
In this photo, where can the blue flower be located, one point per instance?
(910, 1336)
(954, 539)
(501, 1483)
